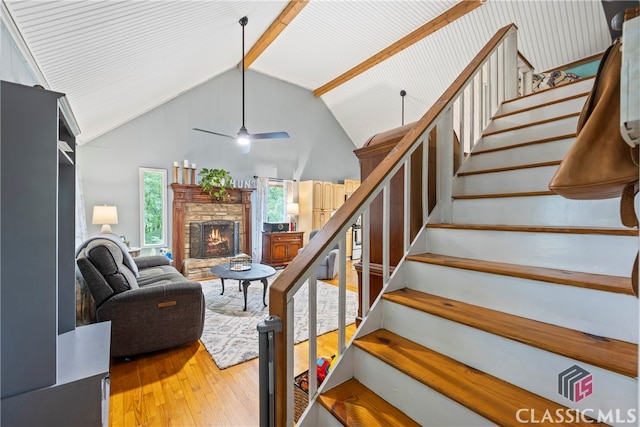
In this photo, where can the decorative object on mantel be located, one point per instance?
(241, 262)
(185, 173)
(175, 173)
(215, 182)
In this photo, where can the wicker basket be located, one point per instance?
(300, 396)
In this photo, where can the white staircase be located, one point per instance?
(476, 327)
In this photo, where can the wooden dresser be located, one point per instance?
(370, 155)
(278, 249)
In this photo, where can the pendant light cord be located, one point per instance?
(243, 22)
(402, 94)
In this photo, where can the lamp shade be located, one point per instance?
(105, 215)
(293, 209)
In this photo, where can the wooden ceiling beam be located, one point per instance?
(277, 26)
(450, 15)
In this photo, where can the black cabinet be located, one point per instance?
(48, 364)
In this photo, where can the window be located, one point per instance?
(277, 204)
(153, 207)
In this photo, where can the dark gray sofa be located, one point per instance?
(151, 305)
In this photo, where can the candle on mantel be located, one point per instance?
(175, 172)
(193, 165)
(193, 174)
(185, 174)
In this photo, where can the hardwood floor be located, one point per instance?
(183, 387)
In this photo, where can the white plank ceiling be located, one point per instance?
(117, 59)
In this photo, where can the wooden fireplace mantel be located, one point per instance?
(183, 194)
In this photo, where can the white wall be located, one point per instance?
(317, 149)
(13, 66)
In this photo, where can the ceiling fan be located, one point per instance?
(243, 137)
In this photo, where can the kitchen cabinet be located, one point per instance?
(316, 201)
(338, 196)
(278, 249)
(350, 185)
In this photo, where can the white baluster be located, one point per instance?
(444, 153)
(510, 53)
(407, 204)
(386, 219)
(366, 260)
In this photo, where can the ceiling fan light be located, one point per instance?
(244, 149)
(243, 136)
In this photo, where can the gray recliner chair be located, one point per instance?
(151, 305)
(328, 268)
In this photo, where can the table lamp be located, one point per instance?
(105, 215)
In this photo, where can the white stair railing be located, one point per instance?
(462, 111)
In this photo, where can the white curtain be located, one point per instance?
(288, 196)
(288, 191)
(261, 208)
(81, 218)
(85, 306)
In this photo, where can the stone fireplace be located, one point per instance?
(208, 231)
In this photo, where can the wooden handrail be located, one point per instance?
(332, 232)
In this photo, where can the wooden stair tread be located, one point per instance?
(608, 231)
(353, 404)
(521, 144)
(601, 282)
(511, 168)
(501, 195)
(607, 353)
(545, 104)
(550, 89)
(488, 396)
(526, 125)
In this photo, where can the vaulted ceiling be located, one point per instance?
(117, 59)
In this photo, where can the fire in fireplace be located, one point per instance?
(214, 239)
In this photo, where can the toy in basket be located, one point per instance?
(301, 382)
(240, 262)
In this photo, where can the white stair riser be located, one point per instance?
(566, 126)
(547, 96)
(507, 182)
(325, 419)
(528, 367)
(529, 154)
(546, 112)
(539, 210)
(589, 253)
(596, 312)
(421, 403)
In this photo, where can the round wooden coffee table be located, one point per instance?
(245, 277)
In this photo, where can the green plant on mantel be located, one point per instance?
(215, 182)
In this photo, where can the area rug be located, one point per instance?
(230, 334)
